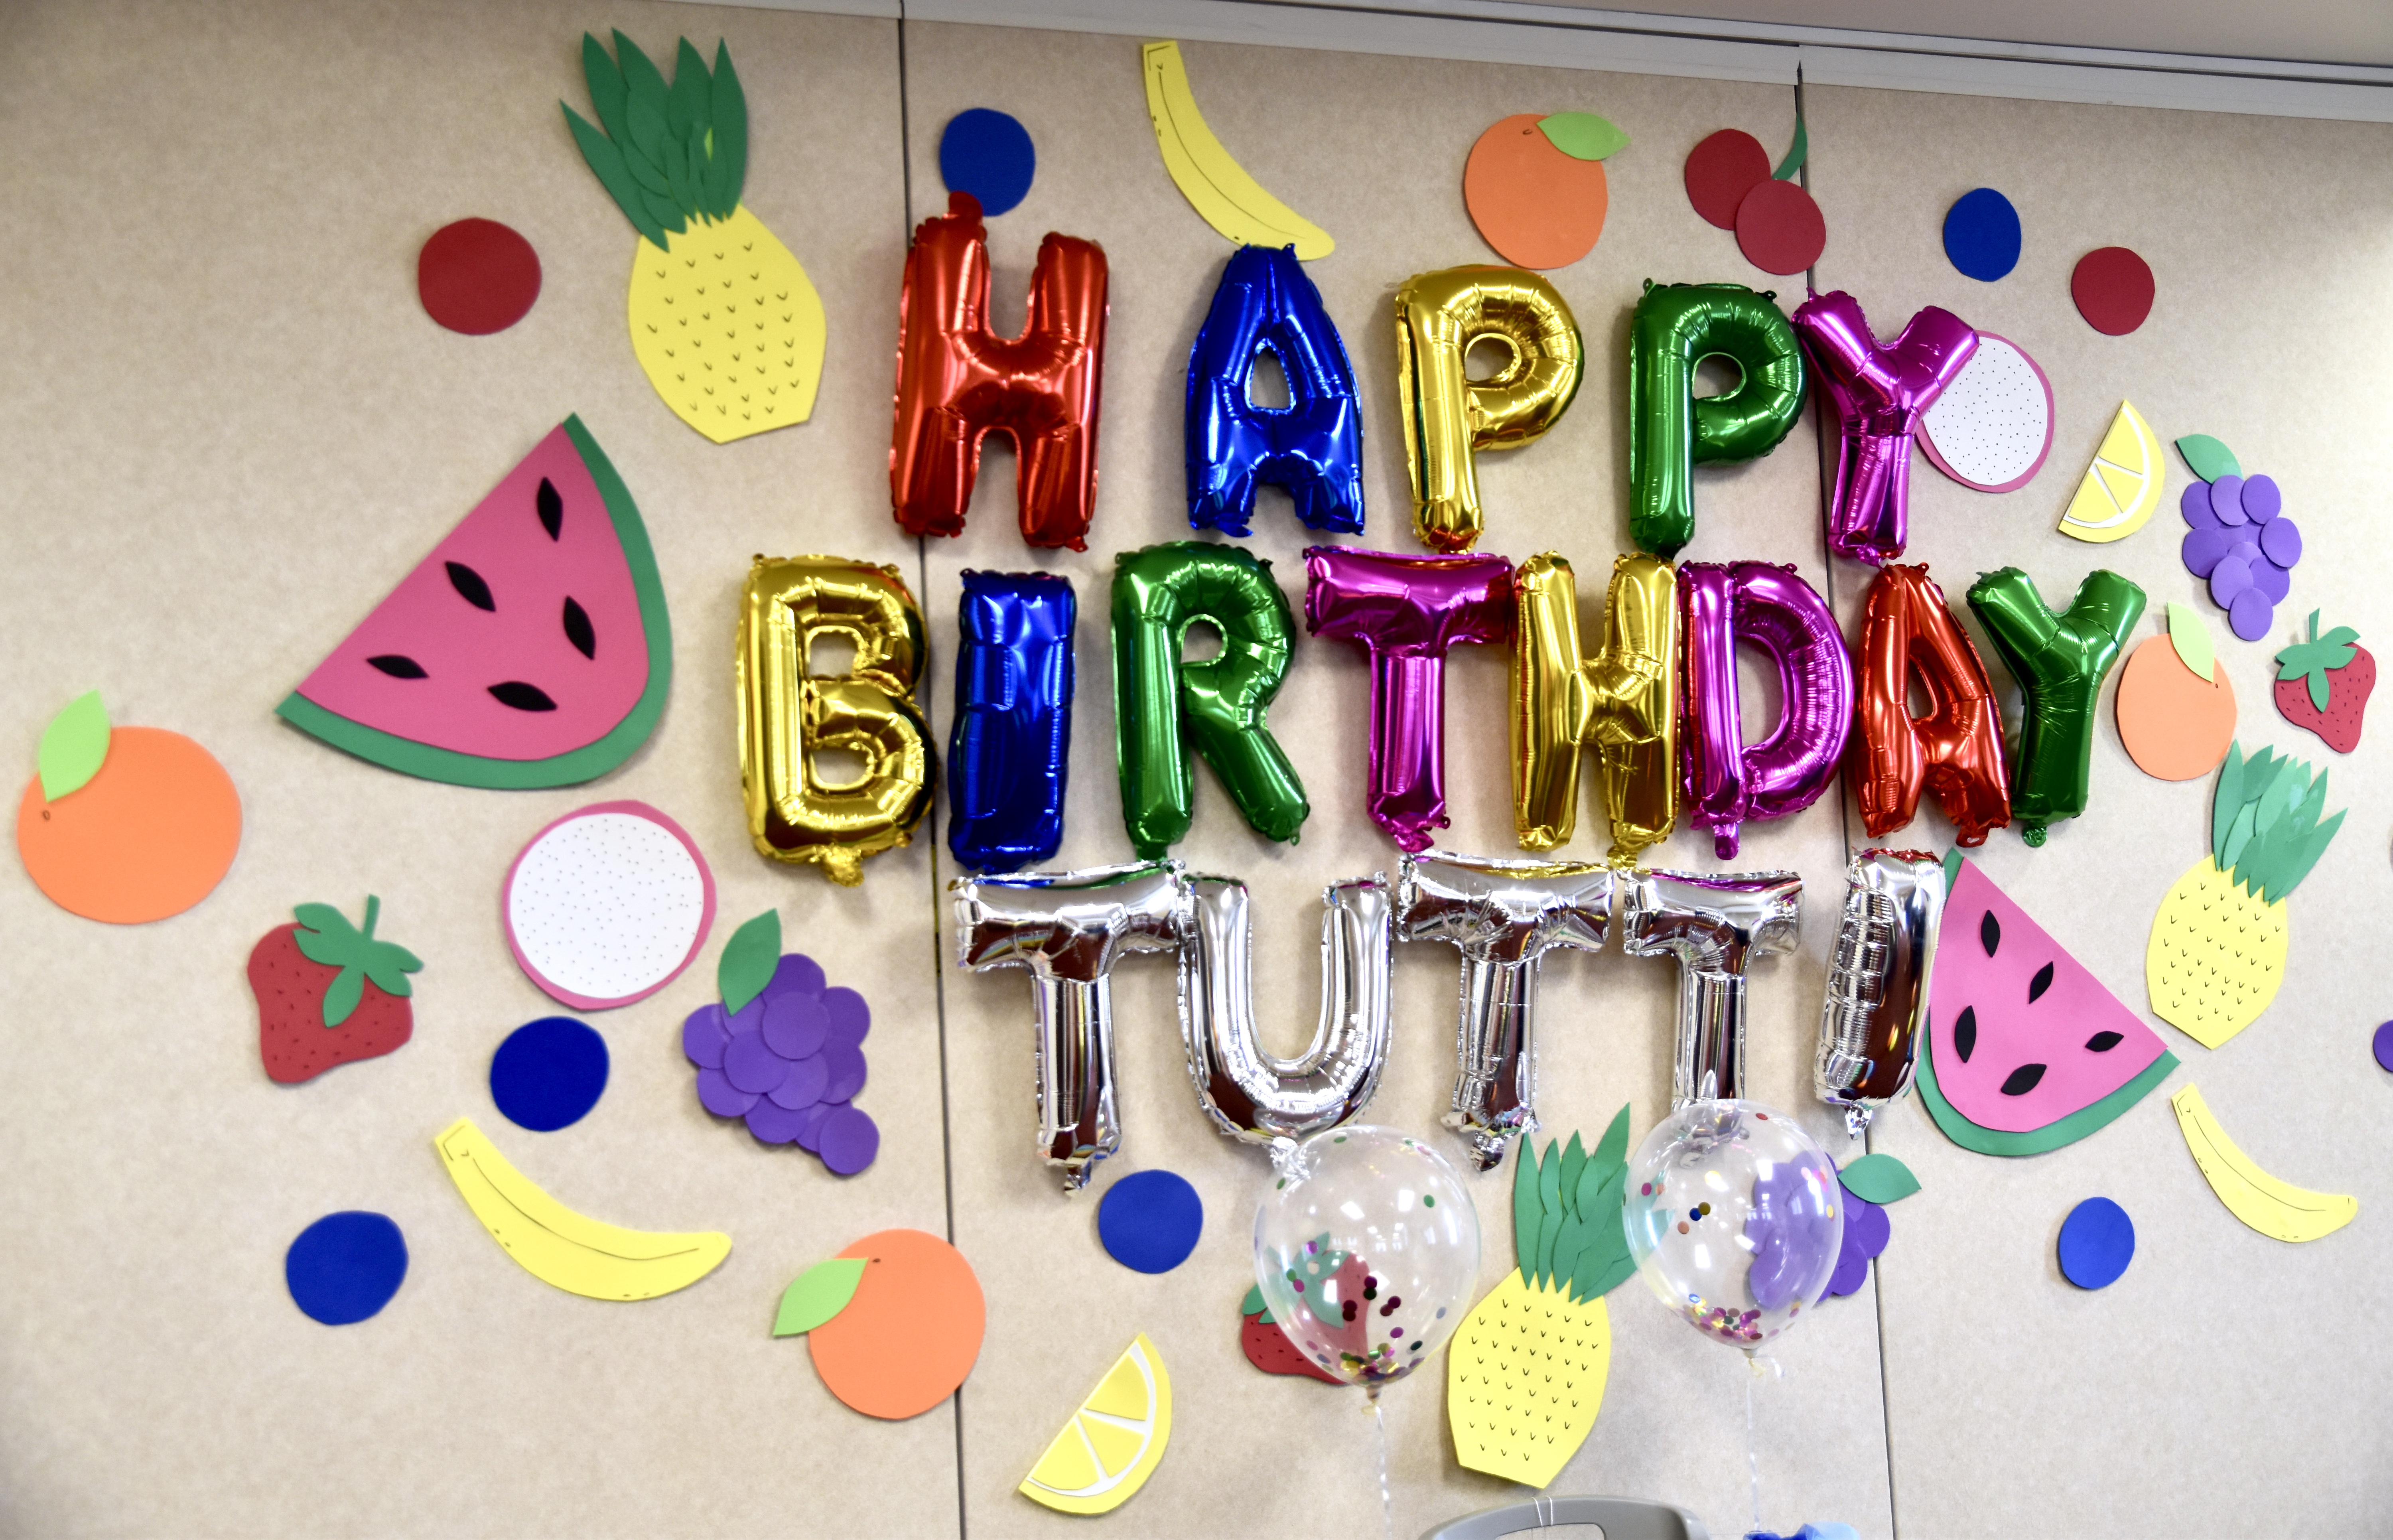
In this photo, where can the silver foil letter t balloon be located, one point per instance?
(1715, 926)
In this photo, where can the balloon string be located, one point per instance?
(1387, 1501)
(1752, 1449)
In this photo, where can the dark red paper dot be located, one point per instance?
(477, 276)
(1779, 228)
(1721, 170)
(2113, 290)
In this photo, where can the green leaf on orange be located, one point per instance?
(2191, 640)
(73, 746)
(2207, 458)
(749, 958)
(817, 1294)
(1583, 136)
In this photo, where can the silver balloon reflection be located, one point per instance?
(1505, 915)
(1069, 929)
(1877, 1006)
(1715, 926)
(1249, 1094)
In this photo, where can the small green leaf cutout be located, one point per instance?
(1878, 1178)
(2191, 640)
(2207, 458)
(1583, 136)
(1254, 1304)
(1797, 152)
(73, 746)
(818, 1294)
(749, 958)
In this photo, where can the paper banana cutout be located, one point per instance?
(1215, 184)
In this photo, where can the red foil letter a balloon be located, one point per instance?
(1956, 751)
(957, 381)
(1879, 394)
(1727, 779)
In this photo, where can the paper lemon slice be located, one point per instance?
(2123, 486)
(1113, 1442)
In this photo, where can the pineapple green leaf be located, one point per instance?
(646, 90)
(1550, 1205)
(2239, 834)
(1527, 1216)
(606, 84)
(1574, 1161)
(687, 103)
(2307, 857)
(675, 155)
(728, 168)
(1613, 1148)
(1603, 1265)
(661, 206)
(614, 176)
(651, 178)
(2228, 796)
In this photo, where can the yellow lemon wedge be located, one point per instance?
(2124, 485)
(1113, 1442)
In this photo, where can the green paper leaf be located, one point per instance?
(1573, 1163)
(606, 84)
(1605, 1264)
(1527, 1216)
(675, 156)
(1254, 1304)
(645, 93)
(1880, 1179)
(2191, 640)
(325, 935)
(1613, 1148)
(2207, 458)
(749, 958)
(661, 208)
(2224, 802)
(1795, 153)
(687, 103)
(73, 746)
(1583, 136)
(2239, 834)
(348, 987)
(730, 125)
(615, 175)
(1549, 1208)
(389, 966)
(816, 1295)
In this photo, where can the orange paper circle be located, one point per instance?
(2177, 724)
(1536, 205)
(911, 1332)
(148, 836)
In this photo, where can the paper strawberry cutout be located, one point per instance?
(2324, 684)
(1267, 1347)
(329, 993)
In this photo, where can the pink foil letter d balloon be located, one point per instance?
(1727, 779)
(1879, 394)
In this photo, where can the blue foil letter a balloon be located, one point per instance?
(1313, 446)
(1012, 743)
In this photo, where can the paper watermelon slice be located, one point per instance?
(2026, 1051)
(531, 648)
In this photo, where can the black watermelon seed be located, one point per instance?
(523, 696)
(2104, 1042)
(470, 586)
(585, 640)
(399, 666)
(1964, 1032)
(1990, 933)
(2023, 1079)
(2035, 986)
(552, 508)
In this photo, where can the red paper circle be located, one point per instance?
(1721, 170)
(1779, 228)
(477, 276)
(2113, 290)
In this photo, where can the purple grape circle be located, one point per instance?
(795, 1026)
(2272, 581)
(2227, 499)
(1867, 1222)
(807, 1080)
(750, 1063)
(703, 1036)
(2280, 540)
(720, 1097)
(2194, 506)
(851, 1019)
(796, 973)
(772, 1123)
(2230, 578)
(2205, 546)
(2251, 615)
(810, 1123)
(2261, 499)
(847, 1140)
(847, 1071)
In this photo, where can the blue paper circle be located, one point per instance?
(988, 154)
(2383, 1046)
(2098, 1240)
(549, 1073)
(346, 1267)
(1149, 1220)
(1982, 234)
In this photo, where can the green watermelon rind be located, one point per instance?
(2088, 1119)
(575, 766)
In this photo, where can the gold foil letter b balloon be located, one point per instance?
(1623, 701)
(1448, 416)
(788, 714)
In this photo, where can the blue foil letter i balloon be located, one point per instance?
(1010, 751)
(1313, 446)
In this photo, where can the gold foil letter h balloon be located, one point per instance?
(788, 714)
(1623, 701)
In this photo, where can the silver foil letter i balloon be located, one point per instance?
(1878, 972)
(1715, 926)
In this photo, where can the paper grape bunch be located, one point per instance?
(784, 1053)
(2237, 536)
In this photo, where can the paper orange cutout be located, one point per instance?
(911, 1332)
(2177, 724)
(147, 837)
(1536, 205)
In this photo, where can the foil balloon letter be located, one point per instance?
(957, 382)
(1406, 612)
(1505, 916)
(1715, 926)
(1878, 972)
(2060, 661)
(1010, 748)
(1250, 1094)
(1879, 393)
(1450, 417)
(1622, 701)
(1956, 751)
(787, 713)
(1670, 431)
(1068, 929)
(1727, 779)
(1163, 706)
(1313, 446)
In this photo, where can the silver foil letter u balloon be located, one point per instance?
(1250, 1094)
(1505, 915)
(1069, 929)
(1878, 983)
(1715, 926)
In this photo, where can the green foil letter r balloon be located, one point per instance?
(2060, 661)
(1163, 706)
(1670, 431)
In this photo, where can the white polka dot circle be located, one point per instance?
(603, 908)
(1991, 428)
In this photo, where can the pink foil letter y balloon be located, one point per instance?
(1880, 393)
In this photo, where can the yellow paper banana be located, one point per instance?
(553, 1244)
(2275, 1209)
(1219, 188)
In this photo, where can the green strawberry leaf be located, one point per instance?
(817, 1294)
(73, 746)
(2191, 640)
(1254, 1304)
(749, 958)
(326, 936)
(2207, 458)
(1527, 1216)
(1878, 1178)
(1583, 136)
(388, 964)
(347, 989)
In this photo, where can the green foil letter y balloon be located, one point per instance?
(2060, 661)
(1162, 705)
(1670, 431)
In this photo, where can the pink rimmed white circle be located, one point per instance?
(608, 904)
(1992, 427)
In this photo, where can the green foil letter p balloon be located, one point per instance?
(2060, 661)
(1163, 706)
(1670, 431)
